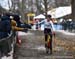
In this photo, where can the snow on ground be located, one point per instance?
(7, 57)
(39, 48)
(20, 33)
(65, 32)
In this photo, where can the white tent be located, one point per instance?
(39, 16)
(60, 11)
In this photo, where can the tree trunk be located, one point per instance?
(73, 9)
(9, 5)
(46, 9)
(21, 9)
(13, 6)
(40, 11)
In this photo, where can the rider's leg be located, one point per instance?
(46, 36)
(51, 43)
(46, 39)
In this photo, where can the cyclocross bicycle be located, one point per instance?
(48, 45)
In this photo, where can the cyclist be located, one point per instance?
(48, 30)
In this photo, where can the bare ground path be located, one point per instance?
(32, 47)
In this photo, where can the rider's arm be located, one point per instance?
(43, 21)
(53, 29)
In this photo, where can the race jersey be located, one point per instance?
(48, 24)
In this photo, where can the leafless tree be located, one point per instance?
(46, 8)
(2, 10)
(39, 7)
(73, 9)
(20, 5)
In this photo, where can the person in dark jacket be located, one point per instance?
(5, 29)
(19, 23)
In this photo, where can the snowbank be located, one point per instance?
(20, 33)
(65, 32)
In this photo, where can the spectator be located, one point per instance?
(5, 29)
(37, 25)
(19, 23)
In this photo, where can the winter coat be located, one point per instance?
(5, 27)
